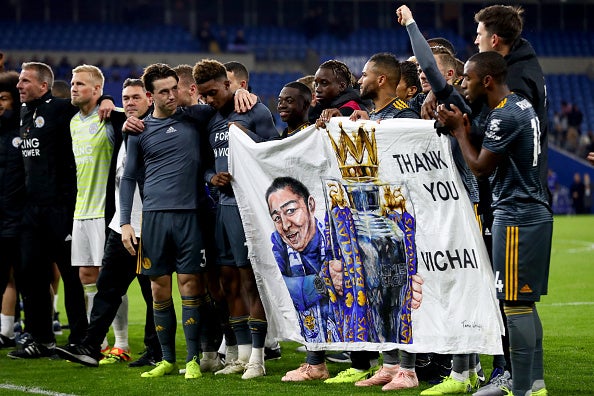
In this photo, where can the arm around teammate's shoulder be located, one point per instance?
(200, 112)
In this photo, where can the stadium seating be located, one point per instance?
(267, 42)
(270, 43)
(566, 44)
(99, 37)
(573, 88)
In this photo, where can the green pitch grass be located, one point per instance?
(566, 314)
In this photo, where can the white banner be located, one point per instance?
(341, 224)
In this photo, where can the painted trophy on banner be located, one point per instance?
(370, 236)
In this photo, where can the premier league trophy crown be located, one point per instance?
(356, 154)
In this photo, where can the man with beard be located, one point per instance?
(379, 82)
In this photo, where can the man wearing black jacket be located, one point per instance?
(334, 91)
(12, 190)
(499, 29)
(50, 184)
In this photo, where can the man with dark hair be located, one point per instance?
(238, 75)
(409, 85)
(444, 42)
(498, 25)
(174, 158)
(170, 210)
(212, 332)
(334, 92)
(61, 89)
(309, 82)
(293, 104)
(136, 103)
(499, 28)
(12, 193)
(236, 271)
(523, 220)
(447, 44)
(378, 83)
(239, 78)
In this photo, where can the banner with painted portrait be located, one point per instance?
(362, 236)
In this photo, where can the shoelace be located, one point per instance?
(348, 372)
(500, 380)
(405, 377)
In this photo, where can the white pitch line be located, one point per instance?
(583, 246)
(581, 250)
(567, 304)
(33, 390)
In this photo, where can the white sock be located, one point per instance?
(104, 344)
(538, 385)
(120, 325)
(257, 355)
(7, 325)
(90, 292)
(231, 353)
(244, 352)
(55, 302)
(460, 376)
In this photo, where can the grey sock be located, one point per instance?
(522, 340)
(407, 360)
